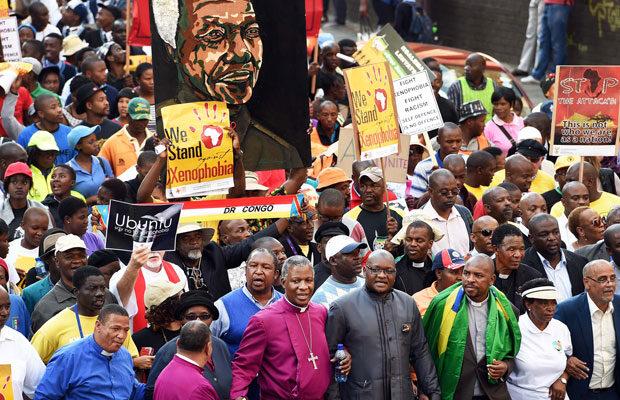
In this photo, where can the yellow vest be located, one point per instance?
(484, 95)
(40, 185)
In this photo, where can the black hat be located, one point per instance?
(48, 241)
(127, 92)
(116, 12)
(531, 148)
(472, 109)
(196, 298)
(101, 258)
(331, 228)
(85, 92)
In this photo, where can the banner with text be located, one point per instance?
(134, 225)
(9, 36)
(371, 98)
(200, 158)
(587, 111)
(416, 104)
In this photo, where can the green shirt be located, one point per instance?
(41, 90)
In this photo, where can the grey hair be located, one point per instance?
(262, 250)
(194, 336)
(294, 262)
(593, 264)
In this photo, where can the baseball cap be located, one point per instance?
(331, 176)
(331, 228)
(116, 12)
(79, 9)
(72, 44)
(565, 162)
(531, 148)
(48, 243)
(373, 173)
(85, 92)
(472, 109)
(196, 298)
(342, 244)
(17, 168)
(128, 93)
(251, 181)
(79, 132)
(102, 52)
(139, 109)
(448, 258)
(529, 132)
(157, 292)
(36, 64)
(44, 141)
(68, 242)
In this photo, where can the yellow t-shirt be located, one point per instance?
(541, 184)
(477, 192)
(602, 206)
(62, 329)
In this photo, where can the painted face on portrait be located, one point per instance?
(219, 48)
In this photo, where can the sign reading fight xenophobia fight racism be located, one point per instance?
(587, 110)
(371, 98)
(200, 157)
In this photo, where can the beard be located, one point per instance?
(194, 254)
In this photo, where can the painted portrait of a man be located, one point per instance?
(216, 50)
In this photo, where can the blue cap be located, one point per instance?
(80, 132)
(448, 258)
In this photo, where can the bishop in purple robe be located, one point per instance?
(285, 344)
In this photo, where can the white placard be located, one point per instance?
(416, 104)
(10, 39)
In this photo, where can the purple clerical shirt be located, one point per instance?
(273, 346)
(183, 380)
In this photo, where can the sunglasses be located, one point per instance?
(485, 232)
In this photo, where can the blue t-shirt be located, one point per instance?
(19, 317)
(88, 183)
(60, 135)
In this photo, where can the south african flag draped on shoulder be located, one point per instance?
(446, 327)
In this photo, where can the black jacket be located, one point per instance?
(322, 271)
(510, 286)
(596, 251)
(574, 265)
(216, 261)
(410, 279)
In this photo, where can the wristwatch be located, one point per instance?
(563, 380)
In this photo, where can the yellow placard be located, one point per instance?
(200, 158)
(371, 98)
(4, 8)
(6, 384)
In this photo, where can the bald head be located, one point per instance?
(482, 261)
(520, 171)
(574, 194)
(531, 204)
(613, 217)
(484, 222)
(475, 58)
(453, 161)
(590, 176)
(439, 177)
(11, 152)
(34, 212)
(377, 255)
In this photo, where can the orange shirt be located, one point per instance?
(423, 297)
(121, 150)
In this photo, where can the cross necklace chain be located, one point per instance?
(312, 358)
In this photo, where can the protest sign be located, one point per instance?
(416, 104)
(371, 98)
(6, 387)
(134, 225)
(4, 8)
(200, 157)
(347, 149)
(387, 45)
(9, 36)
(586, 111)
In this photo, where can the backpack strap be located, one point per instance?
(505, 132)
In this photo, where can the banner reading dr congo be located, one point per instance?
(200, 158)
(587, 109)
(134, 225)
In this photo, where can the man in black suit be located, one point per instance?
(602, 250)
(562, 267)
(595, 330)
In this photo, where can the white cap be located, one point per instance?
(342, 244)
(529, 132)
(69, 242)
(541, 292)
(160, 290)
(373, 173)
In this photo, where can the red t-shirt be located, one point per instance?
(24, 101)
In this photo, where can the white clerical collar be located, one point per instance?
(106, 353)
(503, 276)
(475, 304)
(301, 309)
(189, 360)
(419, 265)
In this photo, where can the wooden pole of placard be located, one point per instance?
(127, 46)
(315, 58)
(581, 161)
(385, 191)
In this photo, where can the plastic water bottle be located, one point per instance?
(340, 355)
(40, 267)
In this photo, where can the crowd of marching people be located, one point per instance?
(491, 273)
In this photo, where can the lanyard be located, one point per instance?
(77, 318)
(288, 239)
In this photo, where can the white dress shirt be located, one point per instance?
(541, 359)
(567, 236)
(19, 360)
(559, 277)
(604, 338)
(454, 230)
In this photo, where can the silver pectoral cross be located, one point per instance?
(313, 359)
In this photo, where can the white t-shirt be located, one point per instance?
(20, 258)
(149, 276)
(541, 359)
(20, 361)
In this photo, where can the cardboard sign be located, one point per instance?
(200, 158)
(416, 104)
(587, 111)
(10, 39)
(6, 383)
(373, 110)
(134, 225)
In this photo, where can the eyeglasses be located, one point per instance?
(485, 232)
(597, 222)
(601, 280)
(202, 317)
(378, 271)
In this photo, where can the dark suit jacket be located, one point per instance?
(575, 313)
(596, 251)
(574, 265)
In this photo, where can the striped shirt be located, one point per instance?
(419, 184)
